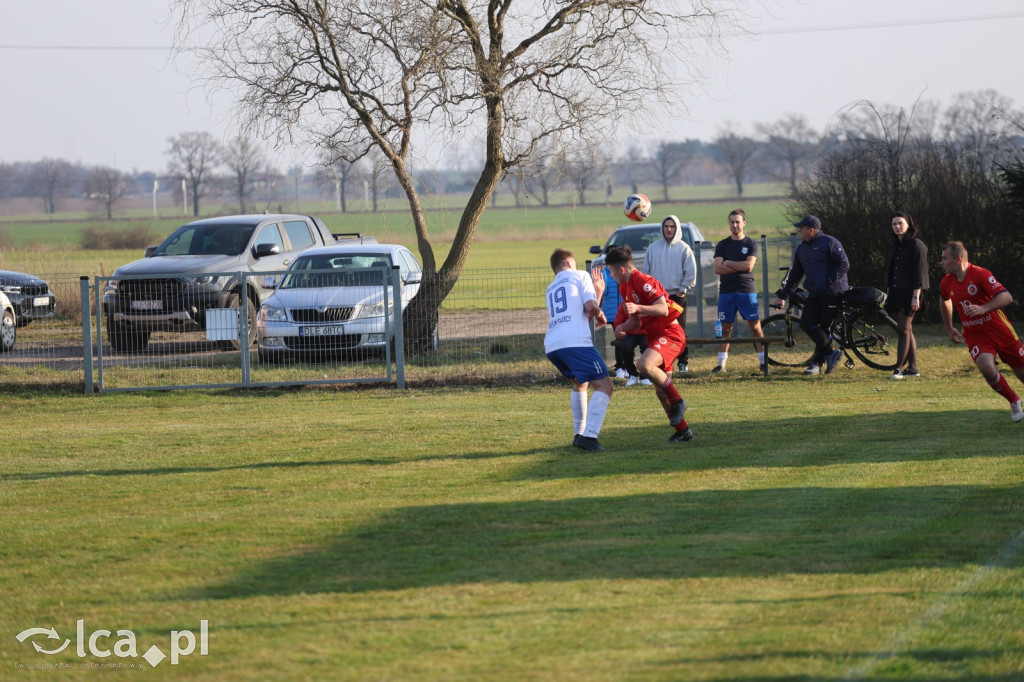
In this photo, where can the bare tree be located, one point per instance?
(51, 180)
(888, 134)
(193, 157)
(790, 143)
(7, 178)
(105, 187)
(667, 164)
(541, 173)
(243, 157)
(734, 151)
(975, 122)
(374, 71)
(585, 169)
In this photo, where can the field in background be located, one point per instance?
(840, 527)
(505, 238)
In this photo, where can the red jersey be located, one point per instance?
(979, 287)
(644, 290)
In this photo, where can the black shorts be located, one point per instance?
(899, 301)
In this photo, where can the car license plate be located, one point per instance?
(40, 301)
(329, 330)
(147, 305)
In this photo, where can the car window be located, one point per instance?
(197, 240)
(298, 234)
(346, 271)
(412, 265)
(270, 234)
(637, 240)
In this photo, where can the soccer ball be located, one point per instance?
(637, 207)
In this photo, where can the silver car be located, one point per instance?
(333, 299)
(639, 237)
(8, 324)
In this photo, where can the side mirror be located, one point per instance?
(149, 251)
(595, 249)
(415, 277)
(270, 282)
(264, 250)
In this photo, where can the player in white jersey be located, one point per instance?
(572, 303)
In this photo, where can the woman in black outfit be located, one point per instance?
(906, 278)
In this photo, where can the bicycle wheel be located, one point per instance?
(797, 351)
(873, 339)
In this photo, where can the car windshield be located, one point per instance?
(200, 240)
(636, 239)
(337, 270)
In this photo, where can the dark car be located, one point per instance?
(30, 296)
(639, 237)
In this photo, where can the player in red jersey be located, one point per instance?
(647, 304)
(979, 300)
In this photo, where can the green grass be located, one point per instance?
(836, 527)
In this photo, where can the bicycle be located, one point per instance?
(866, 331)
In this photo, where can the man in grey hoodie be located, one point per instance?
(670, 260)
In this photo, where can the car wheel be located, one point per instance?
(251, 313)
(8, 332)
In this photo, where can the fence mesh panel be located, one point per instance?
(489, 328)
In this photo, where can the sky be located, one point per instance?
(93, 83)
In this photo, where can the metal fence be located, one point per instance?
(490, 328)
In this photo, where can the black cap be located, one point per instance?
(809, 221)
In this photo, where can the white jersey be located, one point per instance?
(568, 326)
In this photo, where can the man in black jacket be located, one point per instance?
(822, 263)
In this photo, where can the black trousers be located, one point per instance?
(625, 352)
(816, 320)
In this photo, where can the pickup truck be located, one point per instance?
(178, 281)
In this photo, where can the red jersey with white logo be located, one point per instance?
(979, 287)
(644, 290)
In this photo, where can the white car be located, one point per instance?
(8, 324)
(333, 300)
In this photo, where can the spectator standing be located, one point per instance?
(735, 257)
(645, 302)
(821, 261)
(670, 260)
(906, 276)
(979, 300)
(572, 303)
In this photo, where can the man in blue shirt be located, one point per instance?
(822, 263)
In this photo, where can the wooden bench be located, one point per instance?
(766, 340)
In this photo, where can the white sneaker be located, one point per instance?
(645, 382)
(684, 368)
(1017, 410)
(633, 381)
(897, 375)
(621, 373)
(813, 368)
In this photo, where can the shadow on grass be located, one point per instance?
(717, 533)
(787, 441)
(170, 471)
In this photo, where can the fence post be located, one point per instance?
(83, 288)
(396, 289)
(699, 288)
(243, 325)
(764, 275)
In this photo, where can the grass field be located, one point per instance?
(840, 527)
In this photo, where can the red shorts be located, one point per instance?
(670, 342)
(1007, 348)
